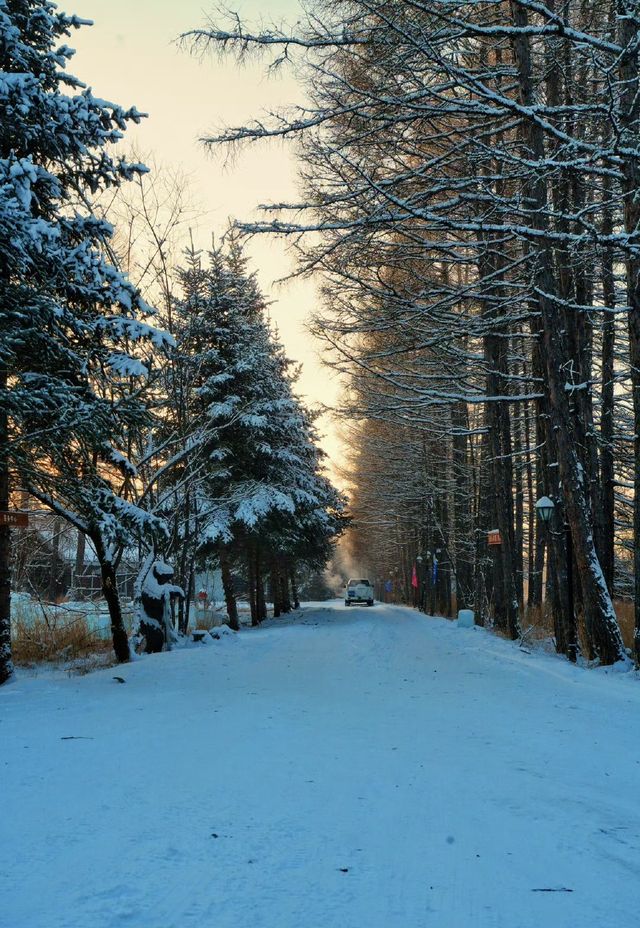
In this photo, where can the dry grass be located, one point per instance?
(44, 639)
(542, 621)
(206, 619)
(625, 612)
(84, 665)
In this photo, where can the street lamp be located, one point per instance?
(545, 508)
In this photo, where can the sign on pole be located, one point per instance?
(15, 519)
(494, 537)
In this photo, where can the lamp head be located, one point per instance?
(544, 508)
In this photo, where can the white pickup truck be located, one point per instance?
(358, 591)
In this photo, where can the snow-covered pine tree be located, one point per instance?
(223, 345)
(255, 471)
(69, 320)
(172, 466)
(185, 443)
(292, 462)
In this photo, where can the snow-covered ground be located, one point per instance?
(361, 768)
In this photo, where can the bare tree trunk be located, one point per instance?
(284, 587)
(251, 571)
(606, 507)
(54, 576)
(444, 559)
(629, 117)
(110, 592)
(294, 587)
(491, 268)
(518, 478)
(261, 604)
(462, 494)
(183, 614)
(506, 605)
(185, 562)
(275, 588)
(548, 484)
(81, 544)
(533, 586)
(6, 662)
(545, 444)
(556, 587)
(229, 592)
(600, 618)
(484, 580)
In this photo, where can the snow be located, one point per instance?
(157, 590)
(126, 366)
(342, 769)
(466, 618)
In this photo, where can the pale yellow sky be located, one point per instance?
(130, 56)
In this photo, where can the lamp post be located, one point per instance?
(545, 508)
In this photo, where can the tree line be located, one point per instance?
(175, 431)
(470, 195)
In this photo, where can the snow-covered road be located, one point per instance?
(362, 768)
